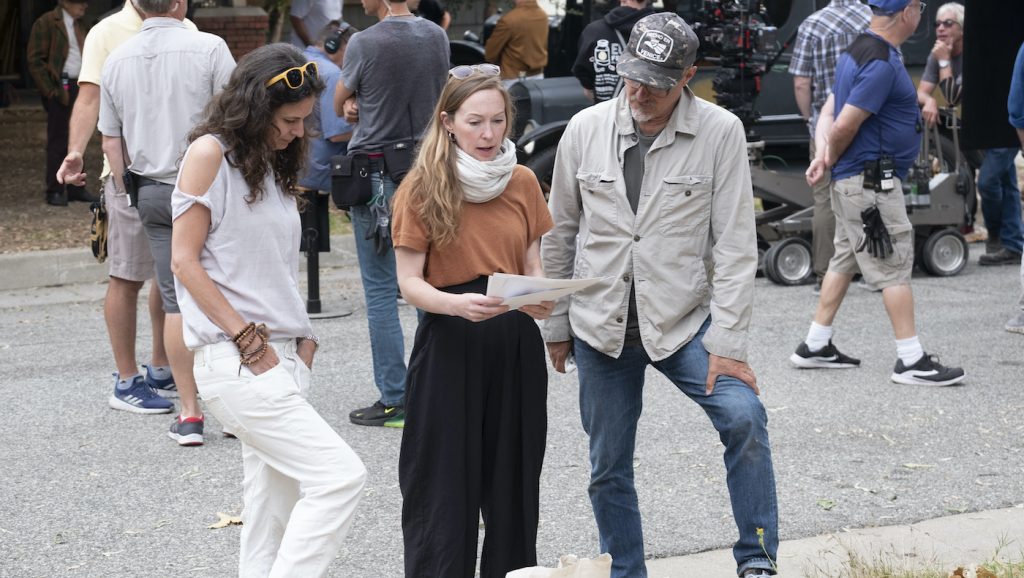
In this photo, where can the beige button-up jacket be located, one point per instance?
(691, 248)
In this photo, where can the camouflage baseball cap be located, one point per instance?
(661, 48)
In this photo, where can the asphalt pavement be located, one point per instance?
(89, 491)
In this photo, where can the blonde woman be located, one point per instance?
(476, 416)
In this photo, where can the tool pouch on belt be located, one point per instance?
(130, 181)
(398, 159)
(350, 180)
(876, 238)
(98, 229)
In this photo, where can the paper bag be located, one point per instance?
(569, 567)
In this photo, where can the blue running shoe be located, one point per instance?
(138, 398)
(163, 387)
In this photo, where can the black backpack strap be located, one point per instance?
(868, 47)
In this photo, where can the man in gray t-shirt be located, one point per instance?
(393, 75)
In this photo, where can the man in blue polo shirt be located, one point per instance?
(333, 132)
(869, 134)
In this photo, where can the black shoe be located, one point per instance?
(927, 371)
(378, 414)
(826, 357)
(1003, 256)
(81, 195)
(56, 199)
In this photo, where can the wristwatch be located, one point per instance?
(314, 339)
(943, 63)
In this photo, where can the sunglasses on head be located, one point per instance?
(465, 71)
(294, 77)
(948, 23)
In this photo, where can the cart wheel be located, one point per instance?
(945, 253)
(788, 262)
(762, 249)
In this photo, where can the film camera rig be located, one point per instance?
(737, 36)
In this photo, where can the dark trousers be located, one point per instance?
(58, 118)
(475, 429)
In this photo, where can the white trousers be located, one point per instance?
(302, 482)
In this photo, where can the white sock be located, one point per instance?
(909, 350)
(818, 336)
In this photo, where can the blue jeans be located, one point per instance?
(380, 288)
(1000, 198)
(611, 399)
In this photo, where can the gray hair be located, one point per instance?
(155, 6)
(955, 9)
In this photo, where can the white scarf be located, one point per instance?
(485, 180)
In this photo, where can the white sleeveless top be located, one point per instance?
(251, 254)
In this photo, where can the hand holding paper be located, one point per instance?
(519, 290)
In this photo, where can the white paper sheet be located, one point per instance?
(519, 290)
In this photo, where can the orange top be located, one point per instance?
(492, 237)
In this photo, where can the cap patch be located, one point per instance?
(654, 45)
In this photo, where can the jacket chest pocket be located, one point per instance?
(685, 206)
(598, 197)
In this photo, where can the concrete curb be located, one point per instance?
(943, 543)
(73, 266)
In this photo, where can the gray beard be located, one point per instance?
(640, 116)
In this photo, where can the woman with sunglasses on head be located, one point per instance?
(235, 259)
(476, 416)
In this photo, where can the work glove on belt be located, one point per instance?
(380, 230)
(876, 237)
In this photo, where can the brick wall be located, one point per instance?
(244, 28)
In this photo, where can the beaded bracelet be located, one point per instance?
(246, 337)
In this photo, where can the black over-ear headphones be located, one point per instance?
(332, 44)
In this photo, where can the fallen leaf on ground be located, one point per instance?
(826, 504)
(225, 521)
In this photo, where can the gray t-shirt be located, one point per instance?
(397, 69)
(931, 70)
(633, 172)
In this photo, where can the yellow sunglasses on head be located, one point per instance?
(294, 77)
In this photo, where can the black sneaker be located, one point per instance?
(188, 431)
(378, 414)
(1001, 257)
(927, 371)
(826, 357)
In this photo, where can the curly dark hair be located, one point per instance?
(241, 115)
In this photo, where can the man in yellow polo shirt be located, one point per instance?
(129, 256)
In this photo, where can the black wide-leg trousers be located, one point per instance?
(474, 438)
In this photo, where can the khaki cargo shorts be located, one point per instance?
(128, 251)
(849, 198)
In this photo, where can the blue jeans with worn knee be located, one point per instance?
(1000, 198)
(380, 289)
(611, 400)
